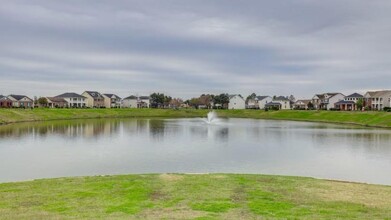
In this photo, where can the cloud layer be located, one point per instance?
(185, 48)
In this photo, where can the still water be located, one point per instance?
(124, 146)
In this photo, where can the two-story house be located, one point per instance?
(377, 100)
(112, 101)
(74, 100)
(136, 102)
(349, 103)
(258, 102)
(302, 104)
(236, 102)
(326, 101)
(284, 102)
(94, 99)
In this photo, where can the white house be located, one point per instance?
(136, 102)
(263, 100)
(144, 102)
(74, 100)
(285, 103)
(236, 102)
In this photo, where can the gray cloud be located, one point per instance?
(185, 48)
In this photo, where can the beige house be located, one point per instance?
(112, 101)
(302, 104)
(56, 102)
(258, 102)
(377, 100)
(94, 99)
(21, 101)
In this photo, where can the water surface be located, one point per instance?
(123, 146)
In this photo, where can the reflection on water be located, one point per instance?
(118, 146)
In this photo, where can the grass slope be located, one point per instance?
(176, 196)
(377, 119)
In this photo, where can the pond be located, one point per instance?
(132, 146)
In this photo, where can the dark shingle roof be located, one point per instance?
(111, 96)
(94, 94)
(355, 95)
(305, 101)
(18, 97)
(262, 97)
(56, 99)
(231, 96)
(131, 97)
(70, 95)
(282, 98)
(144, 97)
(1, 96)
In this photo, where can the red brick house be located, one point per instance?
(5, 102)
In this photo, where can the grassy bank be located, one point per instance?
(174, 196)
(376, 119)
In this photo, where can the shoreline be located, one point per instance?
(374, 119)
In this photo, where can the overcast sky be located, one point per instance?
(185, 48)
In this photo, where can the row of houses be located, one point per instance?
(88, 99)
(372, 100)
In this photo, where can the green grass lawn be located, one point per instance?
(177, 196)
(379, 119)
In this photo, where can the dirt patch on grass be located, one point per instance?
(158, 195)
(170, 177)
(219, 176)
(369, 195)
(171, 213)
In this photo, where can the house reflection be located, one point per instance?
(69, 129)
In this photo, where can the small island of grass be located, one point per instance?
(190, 196)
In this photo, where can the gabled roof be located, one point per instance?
(112, 96)
(262, 97)
(305, 101)
(355, 95)
(131, 97)
(231, 96)
(330, 94)
(19, 97)
(70, 95)
(94, 94)
(144, 97)
(378, 93)
(1, 96)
